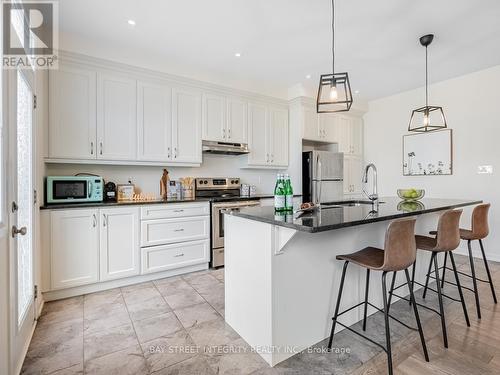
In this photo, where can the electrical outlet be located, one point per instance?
(485, 169)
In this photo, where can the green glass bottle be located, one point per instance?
(288, 194)
(279, 194)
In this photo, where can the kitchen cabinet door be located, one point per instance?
(258, 134)
(116, 117)
(353, 174)
(119, 243)
(279, 141)
(72, 113)
(326, 128)
(342, 136)
(154, 122)
(74, 250)
(356, 136)
(237, 120)
(311, 124)
(186, 121)
(214, 118)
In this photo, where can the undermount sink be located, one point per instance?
(350, 203)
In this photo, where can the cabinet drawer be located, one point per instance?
(165, 257)
(165, 231)
(171, 210)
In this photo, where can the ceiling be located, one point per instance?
(282, 41)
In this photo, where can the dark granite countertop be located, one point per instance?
(334, 216)
(58, 206)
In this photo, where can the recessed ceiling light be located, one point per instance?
(131, 22)
(237, 54)
(308, 76)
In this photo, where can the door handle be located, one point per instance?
(168, 152)
(229, 133)
(91, 148)
(105, 220)
(15, 231)
(100, 145)
(94, 221)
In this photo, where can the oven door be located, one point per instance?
(218, 218)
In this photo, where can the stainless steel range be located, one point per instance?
(225, 195)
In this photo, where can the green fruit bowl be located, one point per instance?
(411, 195)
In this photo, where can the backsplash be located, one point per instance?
(147, 179)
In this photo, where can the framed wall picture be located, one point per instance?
(428, 154)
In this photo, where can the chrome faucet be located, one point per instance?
(373, 196)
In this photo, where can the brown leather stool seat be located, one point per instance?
(398, 254)
(479, 231)
(447, 239)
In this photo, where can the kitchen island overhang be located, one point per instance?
(282, 277)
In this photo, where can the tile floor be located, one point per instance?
(176, 326)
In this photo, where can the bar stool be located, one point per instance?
(479, 230)
(446, 240)
(398, 254)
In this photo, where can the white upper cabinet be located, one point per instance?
(119, 243)
(310, 129)
(116, 117)
(237, 120)
(214, 117)
(258, 134)
(154, 122)
(326, 127)
(224, 119)
(72, 114)
(186, 121)
(267, 136)
(278, 128)
(349, 134)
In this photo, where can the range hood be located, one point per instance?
(225, 148)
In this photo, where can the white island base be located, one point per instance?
(281, 284)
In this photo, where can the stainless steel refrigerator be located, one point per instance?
(322, 176)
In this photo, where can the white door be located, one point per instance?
(327, 128)
(311, 125)
(186, 119)
(279, 137)
(258, 135)
(21, 207)
(214, 118)
(72, 113)
(237, 120)
(74, 250)
(154, 122)
(119, 242)
(356, 174)
(342, 136)
(356, 136)
(116, 117)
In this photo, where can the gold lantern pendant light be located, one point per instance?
(429, 117)
(334, 92)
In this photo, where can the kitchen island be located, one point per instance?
(281, 276)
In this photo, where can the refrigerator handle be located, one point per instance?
(318, 179)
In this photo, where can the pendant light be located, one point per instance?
(334, 92)
(429, 117)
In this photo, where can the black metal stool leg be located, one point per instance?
(440, 298)
(444, 269)
(338, 305)
(366, 297)
(417, 317)
(413, 277)
(391, 290)
(488, 272)
(457, 279)
(474, 281)
(386, 317)
(428, 275)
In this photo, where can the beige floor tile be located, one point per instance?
(129, 361)
(157, 326)
(108, 341)
(196, 314)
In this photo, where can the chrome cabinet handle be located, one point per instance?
(229, 133)
(105, 220)
(100, 145)
(15, 231)
(179, 230)
(175, 153)
(267, 158)
(224, 133)
(94, 221)
(272, 158)
(168, 152)
(179, 255)
(178, 210)
(91, 148)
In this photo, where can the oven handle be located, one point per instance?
(236, 205)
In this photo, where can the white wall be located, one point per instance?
(472, 108)
(148, 178)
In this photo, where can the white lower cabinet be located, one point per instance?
(88, 246)
(166, 257)
(74, 238)
(119, 243)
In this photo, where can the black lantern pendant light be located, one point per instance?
(334, 93)
(428, 118)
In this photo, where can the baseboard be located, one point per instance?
(476, 252)
(97, 287)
